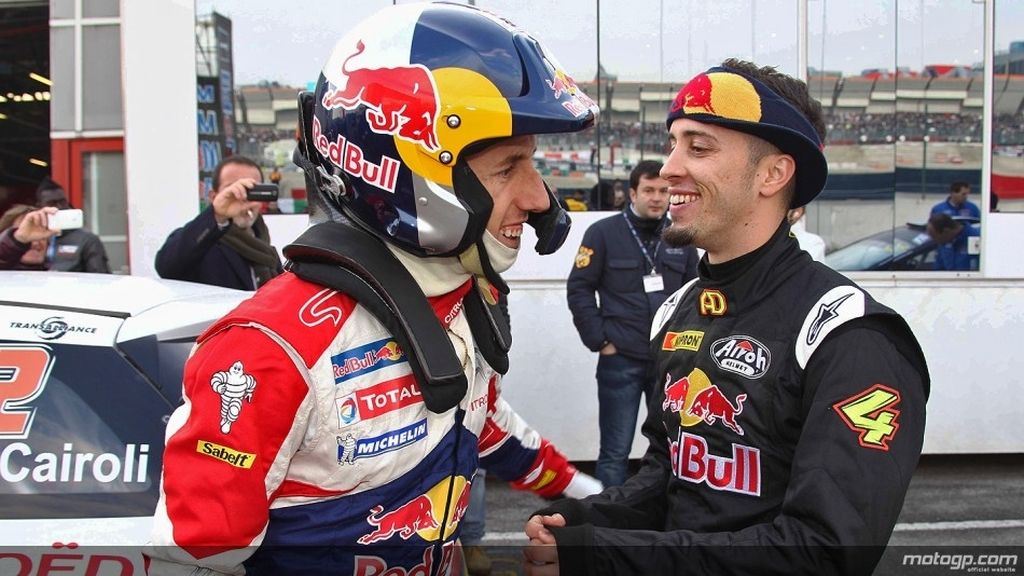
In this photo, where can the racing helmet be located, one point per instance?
(405, 97)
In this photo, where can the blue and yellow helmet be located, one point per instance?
(406, 96)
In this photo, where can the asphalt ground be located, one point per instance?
(962, 515)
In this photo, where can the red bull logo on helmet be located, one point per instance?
(742, 355)
(692, 462)
(720, 94)
(401, 101)
(564, 85)
(350, 157)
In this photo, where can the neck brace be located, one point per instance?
(437, 276)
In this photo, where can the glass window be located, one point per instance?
(105, 199)
(101, 78)
(851, 69)
(93, 445)
(1007, 104)
(62, 9)
(62, 71)
(101, 8)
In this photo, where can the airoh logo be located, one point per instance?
(743, 355)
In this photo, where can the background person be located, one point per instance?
(622, 274)
(953, 239)
(809, 241)
(785, 441)
(75, 250)
(228, 243)
(24, 235)
(957, 204)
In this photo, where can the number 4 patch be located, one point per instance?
(872, 415)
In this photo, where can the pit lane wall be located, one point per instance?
(969, 327)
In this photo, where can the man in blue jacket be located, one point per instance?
(623, 260)
(227, 244)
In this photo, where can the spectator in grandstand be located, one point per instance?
(809, 241)
(957, 204)
(228, 244)
(954, 239)
(576, 201)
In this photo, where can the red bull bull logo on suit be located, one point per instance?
(697, 400)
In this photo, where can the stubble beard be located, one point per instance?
(677, 237)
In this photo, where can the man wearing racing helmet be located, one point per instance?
(330, 426)
(791, 405)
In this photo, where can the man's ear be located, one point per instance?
(777, 171)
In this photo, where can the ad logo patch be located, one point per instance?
(688, 340)
(365, 359)
(742, 355)
(692, 462)
(872, 415)
(583, 257)
(351, 449)
(232, 385)
(378, 400)
(697, 400)
(712, 303)
(225, 454)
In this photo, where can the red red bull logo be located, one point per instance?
(697, 400)
(710, 405)
(692, 462)
(350, 158)
(742, 355)
(401, 101)
(406, 520)
(564, 85)
(366, 359)
(695, 96)
(377, 566)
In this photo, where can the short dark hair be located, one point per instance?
(234, 159)
(645, 168)
(941, 222)
(958, 185)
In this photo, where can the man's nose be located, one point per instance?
(534, 196)
(673, 169)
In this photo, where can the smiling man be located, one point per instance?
(791, 407)
(334, 422)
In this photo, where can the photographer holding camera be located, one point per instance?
(228, 243)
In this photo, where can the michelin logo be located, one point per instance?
(350, 449)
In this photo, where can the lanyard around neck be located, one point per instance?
(647, 256)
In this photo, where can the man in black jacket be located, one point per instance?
(227, 244)
(623, 260)
(791, 408)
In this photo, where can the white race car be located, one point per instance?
(90, 370)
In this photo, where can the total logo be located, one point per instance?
(697, 400)
(421, 516)
(378, 400)
(692, 462)
(742, 355)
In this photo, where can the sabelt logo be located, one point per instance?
(742, 355)
(688, 340)
(225, 454)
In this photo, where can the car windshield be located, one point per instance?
(871, 252)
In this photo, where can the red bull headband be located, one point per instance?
(724, 97)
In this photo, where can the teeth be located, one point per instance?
(512, 232)
(677, 199)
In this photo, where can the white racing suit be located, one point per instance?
(304, 445)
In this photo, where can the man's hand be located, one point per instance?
(33, 226)
(230, 201)
(608, 349)
(542, 553)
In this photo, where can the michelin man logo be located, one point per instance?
(232, 386)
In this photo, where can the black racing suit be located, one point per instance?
(788, 420)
